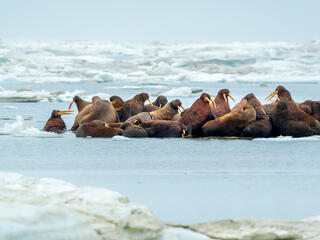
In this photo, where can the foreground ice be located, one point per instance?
(33, 208)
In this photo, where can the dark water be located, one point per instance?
(181, 180)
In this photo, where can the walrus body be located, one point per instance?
(99, 110)
(163, 128)
(232, 123)
(198, 114)
(97, 129)
(55, 123)
(288, 119)
(262, 127)
(311, 107)
(133, 131)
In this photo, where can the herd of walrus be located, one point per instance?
(205, 118)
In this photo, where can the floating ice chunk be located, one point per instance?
(181, 92)
(20, 129)
(120, 138)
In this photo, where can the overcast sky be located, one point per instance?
(162, 20)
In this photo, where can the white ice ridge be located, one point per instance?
(97, 61)
(43, 208)
(29, 95)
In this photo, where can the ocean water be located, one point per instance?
(181, 180)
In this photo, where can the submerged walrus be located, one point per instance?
(99, 110)
(222, 103)
(232, 123)
(288, 119)
(164, 128)
(198, 114)
(262, 127)
(55, 123)
(97, 129)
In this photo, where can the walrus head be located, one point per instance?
(282, 93)
(57, 113)
(80, 103)
(142, 97)
(224, 93)
(160, 101)
(175, 105)
(114, 98)
(205, 97)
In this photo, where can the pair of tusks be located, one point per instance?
(65, 112)
(181, 107)
(225, 97)
(271, 95)
(211, 102)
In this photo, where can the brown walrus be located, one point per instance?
(133, 130)
(198, 114)
(137, 103)
(55, 123)
(157, 104)
(311, 107)
(99, 110)
(232, 123)
(262, 127)
(116, 101)
(81, 104)
(222, 103)
(97, 129)
(165, 113)
(288, 119)
(164, 128)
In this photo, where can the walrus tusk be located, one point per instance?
(71, 104)
(278, 98)
(160, 105)
(225, 98)
(179, 108)
(231, 98)
(150, 102)
(213, 102)
(182, 107)
(271, 95)
(106, 125)
(65, 112)
(183, 133)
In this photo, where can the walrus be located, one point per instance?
(55, 123)
(116, 101)
(137, 103)
(97, 129)
(124, 112)
(232, 123)
(311, 107)
(81, 104)
(165, 113)
(157, 104)
(133, 130)
(164, 128)
(198, 114)
(262, 127)
(99, 110)
(288, 119)
(222, 103)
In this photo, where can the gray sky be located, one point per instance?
(162, 20)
